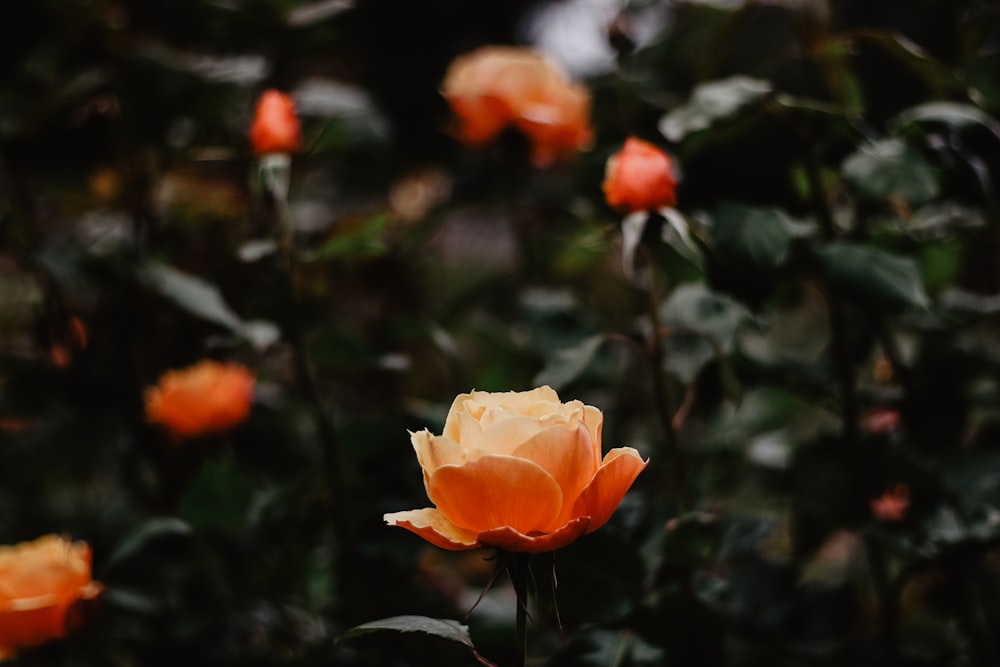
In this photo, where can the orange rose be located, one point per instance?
(520, 471)
(205, 398)
(496, 87)
(639, 178)
(39, 582)
(275, 127)
(892, 505)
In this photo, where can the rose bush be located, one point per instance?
(520, 471)
(639, 177)
(205, 398)
(498, 87)
(39, 582)
(275, 127)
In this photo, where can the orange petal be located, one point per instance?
(568, 455)
(497, 491)
(594, 421)
(434, 527)
(511, 540)
(601, 498)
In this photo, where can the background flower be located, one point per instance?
(205, 398)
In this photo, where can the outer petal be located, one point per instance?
(497, 491)
(434, 451)
(567, 454)
(594, 420)
(601, 498)
(434, 527)
(511, 540)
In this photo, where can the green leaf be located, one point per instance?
(220, 497)
(365, 241)
(952, 115)
(874, 275)
(890, 168)
(701, 325)
(438, 627)
(150, 531)
(757, 237)
(568, 363)
(711, 102)
(913, 57)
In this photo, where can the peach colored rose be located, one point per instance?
(39, 582)
(275, 127)
(205, 398)
(497, 87)
(639, 178)
(519, 471)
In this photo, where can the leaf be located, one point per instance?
(202, 299)
(711, 102)
(913, 57)
(568, 363)
(891, 168)
(150, 531)
(758, 237)
(874, 275)
(952, 115)
(701, 325)
(220, 497)
(364, 241)
(438, 627)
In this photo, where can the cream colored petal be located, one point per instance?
(594, 420)
(568, 455)
(511, 540)
(505, 436)
(497, 491)
(433, 526)
(434, 451)
(604, 493)
(458, 421)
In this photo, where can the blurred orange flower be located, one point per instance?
(892, 505)
(520, 471)
(639, 178)
(39, 582)
(275, 127)
(496, 87)
(205, 398)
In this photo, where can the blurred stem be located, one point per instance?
(518, 568)
(306, 377)
(661, 393)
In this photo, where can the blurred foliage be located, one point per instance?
(835, 335)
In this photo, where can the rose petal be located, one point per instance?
(594, 420)
(434, 451)
(497, 491)
(566, 454)
(511, 540)
(433, 526)
(505, 436)
(604, 493)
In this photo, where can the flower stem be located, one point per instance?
(518, 568)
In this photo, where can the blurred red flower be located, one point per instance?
(275, 127)
(40, 581)
(205, 398)
(892, 505)
(639, 177)
(497, 87)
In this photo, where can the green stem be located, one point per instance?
(518, 568)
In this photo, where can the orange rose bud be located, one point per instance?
(892, 505)
(40, 581)
(639, 177)
(497, 87)
(275, 127)
(206, 398)
(518, 471)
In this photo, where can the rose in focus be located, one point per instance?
(639, 177)
(205, 398)
(275, 127)
(520, 471)
(496, 87)
(39, 582)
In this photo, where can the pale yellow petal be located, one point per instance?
(433, 526)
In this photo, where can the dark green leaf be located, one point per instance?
(874, 275)
(700, 325)
(150, 531)
(567, 364)
(890, 169)
(953, 115)
(711, 102)
(220, 497)
(757, 237)
(437, 627)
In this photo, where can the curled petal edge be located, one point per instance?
(605, 492)
(430, 524)
(511, 540)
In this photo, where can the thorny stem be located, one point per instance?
(518, 568)
(661, 395)
(329, 439)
